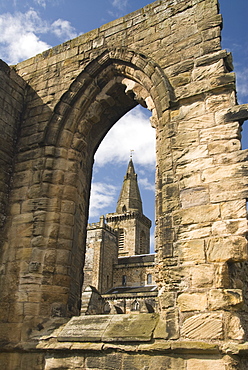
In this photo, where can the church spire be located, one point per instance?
(129, 199)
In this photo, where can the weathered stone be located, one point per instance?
(222, 249)
(228, 189)
(234, 209)
(224, 298)
(167, 326)
(230, 227)
(225, 132)
(203, 72)
(85, 328)
(191, 251)
(203, 275)
(222, 146)
(194, 197)
(130, 328)
(166, 300)
(237, 113)
(235, 329)
(197, 214)
(192, 301)
(217, 173)
(203, 326)
(214, 364)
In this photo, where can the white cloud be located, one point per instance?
(40, 2)
(242, 85)
(144, 182)
(131, 132)
(63, 29)
(20, 35)
(102, 195)
(120, 4)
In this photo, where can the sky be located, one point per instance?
(28, 27)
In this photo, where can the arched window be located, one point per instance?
(135, 306)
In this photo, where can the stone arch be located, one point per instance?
(109, 87)
(92, 91)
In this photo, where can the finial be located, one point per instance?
(131, 153)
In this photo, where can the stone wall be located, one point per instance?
(135, 271)
(11, 109)
(100, 257)
(167, 57)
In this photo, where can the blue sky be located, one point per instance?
(28, 27)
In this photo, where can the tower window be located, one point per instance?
(121, 239)
(149, 279)
(124, 280)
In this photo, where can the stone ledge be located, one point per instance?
(175, 347)
(237, 113)
(109, 328)
(158, 346)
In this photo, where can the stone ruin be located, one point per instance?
(55, 109)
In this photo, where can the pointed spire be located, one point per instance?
(129, 199)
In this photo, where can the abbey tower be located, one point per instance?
(120, 238)
(132, 226)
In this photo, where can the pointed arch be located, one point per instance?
(118, 79)
(103, 92)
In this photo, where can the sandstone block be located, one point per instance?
(196, 123)
(225, 298)
(201, 364)
(228, 189)
(187, 155)
(166, 299)
(194, 196)
(190, 180)
(197, 214)
(199, 163)
(222, 146)
(230, 227)
(203, 72)
(233, 209)
(192, 110)
(217, 102)
(184, 139)
(224, 132)
(222, 276)
(235, 330)
(191, 251)
(232, 248)
(205, 326)
(202, 275)
(194, 231)
(216, 173)
(192, 301)
(168, 325)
